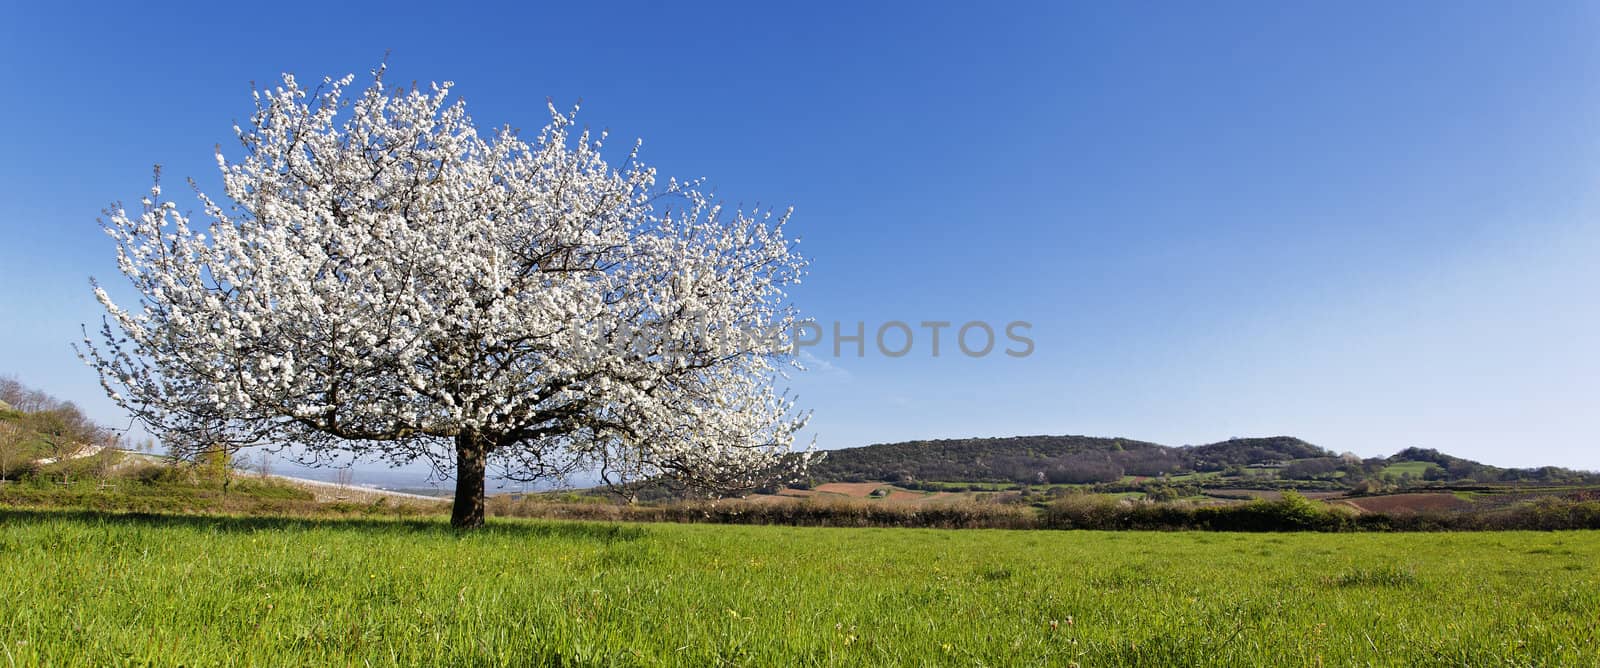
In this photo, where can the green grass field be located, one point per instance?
(1416, 469)
(103, 590)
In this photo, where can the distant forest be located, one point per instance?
(1080, 460)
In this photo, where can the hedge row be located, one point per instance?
(1293, 512)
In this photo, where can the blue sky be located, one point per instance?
(1366, 225)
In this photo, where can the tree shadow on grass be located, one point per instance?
(531, 529)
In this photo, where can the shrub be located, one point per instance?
(1292, 512)
(1083, 511)
(152, 474)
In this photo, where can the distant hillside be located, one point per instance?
(1272, 462)
(1053, 459)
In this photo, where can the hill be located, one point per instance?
(1249, 463)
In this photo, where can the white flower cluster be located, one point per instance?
(384, 280)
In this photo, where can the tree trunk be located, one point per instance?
(471, 463)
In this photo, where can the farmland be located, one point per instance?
(85, 588)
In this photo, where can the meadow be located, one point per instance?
(105, 589)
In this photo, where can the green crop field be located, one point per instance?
(102, 590)
(1417, 469)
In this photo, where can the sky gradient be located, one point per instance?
(1372, 227)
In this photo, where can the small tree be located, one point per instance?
(63, 432)
(215, 465)
(1161, 493)
(385, 281)
(108, 456)
(13, 447)
(264, 464)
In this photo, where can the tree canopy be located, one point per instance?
(382, 279)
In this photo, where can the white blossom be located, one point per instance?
(382, 279)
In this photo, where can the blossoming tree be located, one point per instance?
(384, 281)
